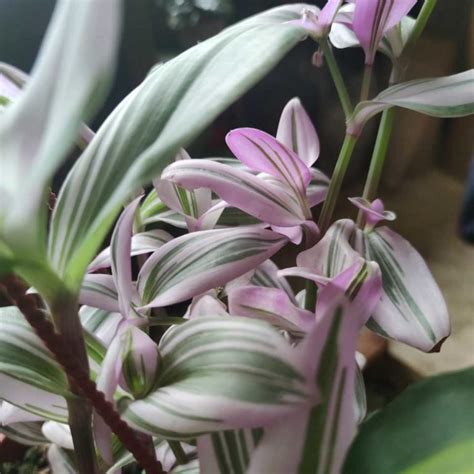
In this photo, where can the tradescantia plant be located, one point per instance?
(96, 359)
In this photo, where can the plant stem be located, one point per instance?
(386, 122)
(336, 182)
(366, 80)
(178, 452)
(329, 205)
(79, 378)
(65, 317)
(337, 78)
(420, 24)
(378, 157)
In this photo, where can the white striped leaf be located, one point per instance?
(25, 433)
(99, 291)
(192, 467)
(228, 452)
(197, 262)
(266, 275)
(24, 356)
(450, 96)
(142, 243)
(265, 200)
(68, 82)
(101, 323)
(272, 305)
(297, 132)
(41, 403)
(412, 309)
(174, 104)
(315, 438)
(30, 377)
(217, 374)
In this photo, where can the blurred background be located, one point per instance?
(426, 175)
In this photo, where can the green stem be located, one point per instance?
(336, 182)
(378, 157)
(337, 78)
(386, 122)
(366, 80)
(178, 452)
(420, 24)
(329, 205)
(66, 320)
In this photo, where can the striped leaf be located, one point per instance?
(267, 201)
(261, 152)
(99, 291)
(315, 438)
(30, 377)
(217, 374)
(41, 403)
(142, 243)
(101, 323)
(272, 305)
(412, 309)
(24, 357)
(197, 262)
(266, 275)
(25, 433)
(192, 467)
(297, 132)
(68, 82)
(176, 102)
(228, 452)
(450, 96)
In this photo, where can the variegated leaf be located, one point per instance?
(25, 433)
(227, 452)
(315, 438)
(99, 291)
(176, 102)
(297, 132)
(450, 96)
(272, 305)
(412, 309)
(265, 200)
(217, 374)
(24, 356)
(38, 129)
(38, 402)
(197, 262)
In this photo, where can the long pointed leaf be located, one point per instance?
(37, 130)
(217, 374)
(450, 96)
(263, 200)
(174, 104)
(194, 263)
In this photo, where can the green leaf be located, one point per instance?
(176, 102)
(428, 429)
(450, 96)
